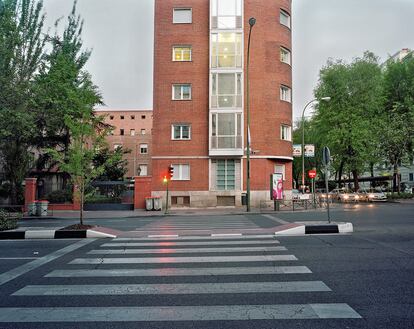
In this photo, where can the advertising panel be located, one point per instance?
(277, 186)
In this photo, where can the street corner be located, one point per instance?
(300, 228)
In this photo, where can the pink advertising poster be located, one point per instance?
(277, 186)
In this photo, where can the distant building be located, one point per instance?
(133, 131)
(200, 122)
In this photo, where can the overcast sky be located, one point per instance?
(120, 33)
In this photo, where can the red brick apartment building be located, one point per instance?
(132, 130)
(199, 121)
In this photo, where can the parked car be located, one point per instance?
(372, 195)
(345, 195)
(322, 195)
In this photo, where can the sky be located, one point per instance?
(120, 34)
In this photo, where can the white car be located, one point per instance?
(373, 195)
(344, 195)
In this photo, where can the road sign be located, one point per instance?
(312, 173)
(326, 156)
(297, 150)
(309, 150)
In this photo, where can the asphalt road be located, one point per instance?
(362, 280)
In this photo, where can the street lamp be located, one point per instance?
(327, 99)
(252, 21)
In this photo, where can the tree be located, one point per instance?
(348, 123)
(115, 166)
(397, 124)
(61, 83)
(21, 53)
(78, 162)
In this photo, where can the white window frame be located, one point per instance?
(283, 171)
(181, 125)
(132, 132)
(143, 146)
(285, 93)
(143, 165)
(285, 14)
(226, 180)
(286, 130)
(285, 55)
(181, 85)
(175, 49)
(178, 171)
(143, 131)
(117, 146)
(182, 9)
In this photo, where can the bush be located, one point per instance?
(59, 196)
(8, 221)
(393, 196)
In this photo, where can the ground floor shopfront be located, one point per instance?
(211, 182)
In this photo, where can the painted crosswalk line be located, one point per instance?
(173, 237)
(180, 271)
(185, 243)
(176, 260)
(184, 250)
(178, 313)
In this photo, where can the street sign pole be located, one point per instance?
(326, 160)
(166, 201)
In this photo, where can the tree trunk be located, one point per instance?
(82, 195)
(396, 179)
(371, 167)
(355, 177)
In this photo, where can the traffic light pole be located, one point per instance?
(166, 201)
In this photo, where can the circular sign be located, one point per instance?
(312, 173)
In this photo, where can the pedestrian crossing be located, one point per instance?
(200, 223)
(210, 278)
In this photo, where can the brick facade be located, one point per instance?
(268, 112)
(140, 121)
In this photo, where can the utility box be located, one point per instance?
(31, 209)
(244, 199)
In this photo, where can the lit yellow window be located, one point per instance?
(182, 54)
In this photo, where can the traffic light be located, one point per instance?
(171, 172)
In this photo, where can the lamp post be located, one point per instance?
(252, 21)
(327, 99)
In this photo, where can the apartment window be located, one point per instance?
(132, 132)
(285, 56)
(142, 170)
(226, 90)
(226, 14)
(181, 172)
(226, 129)
(284, 18)
(280, 169)
(285, 133)
(226, 175)
(121, 132)
(143, 148)
(132, 117)
(143, 131)
(122, 117)
(181, 131)
(226, 50)
(285, 94)
(143, 117)
(117, 146)
(181, 92)
(182, 16)
(111, 117)
(411, 177)
(181, 54)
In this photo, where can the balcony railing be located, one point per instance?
(226, 142)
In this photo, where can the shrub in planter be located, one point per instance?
(59, 196)
(8, 221)
(102, 199)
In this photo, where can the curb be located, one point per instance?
(305, 229)
(54, 234)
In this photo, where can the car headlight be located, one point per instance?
(346, 196)
(356, 196)
(371, 196)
